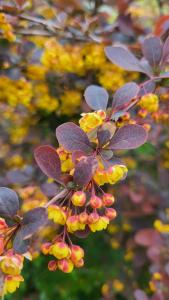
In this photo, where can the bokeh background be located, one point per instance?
(50, 51)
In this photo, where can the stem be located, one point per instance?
(55, 198)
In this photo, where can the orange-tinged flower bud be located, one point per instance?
(83, 217)
(108, 199)
(79, 263)
(143, 113)
(77, 253)
(65, 265)
(147, 127)
(111, 213)
(95, 202)
(52, 265)
(93, 217)
(45, 248)
(79, 198)
(60, 250)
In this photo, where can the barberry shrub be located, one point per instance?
(82, 167)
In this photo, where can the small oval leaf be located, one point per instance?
(152, 50)
(48, 161)
(128, 137)
(84, 171)
(9, 202)
(20, 246)
(165, 55)
(33, 220)
(123, 58)
(73, 138)
(106, 133)
(96, 97)
(124, 95)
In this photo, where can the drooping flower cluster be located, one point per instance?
(83, 162)
(66, 257)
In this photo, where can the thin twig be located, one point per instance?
(55, 198)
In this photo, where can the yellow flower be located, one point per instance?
(92, 120)
(36, 72)
(161, 227)
(94, 56)
(11, 264)
(70, 102)
(149, 102)
(12, 283)
(100, 177)
(118, 285)
(43, 99)
(60, 250)
(66, 160)
(73, 224)
(6, 28)
(116, 173)
(57, 214)
(100, 224)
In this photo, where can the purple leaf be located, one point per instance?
(140, 295)
(20, 176)
(73, 138)
(124, 95)
(147, 87)
(128, 137)
(165, 55)
(9, 202)
(105, 133)
(103, 137)
(123, 58)
(33, 220)
(96, 97)
(106, 154)
(50, 189)
(48, 161)
(152, 50)
(84, 171)
(20, 246)
(111, 162)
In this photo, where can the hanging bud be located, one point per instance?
(83, 217)
(45, 248)
(93, 217)
(65, 265)
(108, 199)
(52, 265)
(77, 253)
(111, 213)
(78, 198)
(95, 202)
